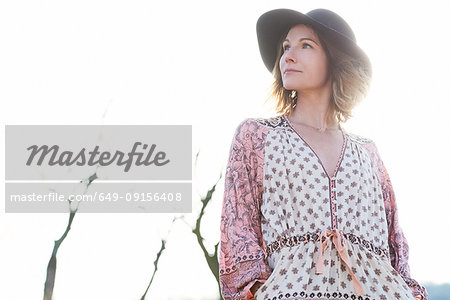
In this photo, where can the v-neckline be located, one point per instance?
(344, 146)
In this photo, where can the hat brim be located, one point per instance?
(273, 24)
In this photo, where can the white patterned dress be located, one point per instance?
(306, 234)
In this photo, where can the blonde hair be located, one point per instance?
(350, 83)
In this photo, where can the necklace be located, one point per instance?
(316, 128)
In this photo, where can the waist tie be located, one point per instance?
(339, 241)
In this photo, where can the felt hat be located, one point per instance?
(272, 25)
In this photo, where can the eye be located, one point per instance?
(306, 45)
(286, 47)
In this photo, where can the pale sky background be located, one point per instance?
(197, 62)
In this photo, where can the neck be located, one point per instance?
(311, 109)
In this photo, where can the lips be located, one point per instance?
(290, 70)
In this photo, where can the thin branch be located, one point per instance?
(51, 267)
(158, 255)
(211, 259)
(155, 263)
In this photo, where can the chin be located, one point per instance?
(291, 87)
(291, 84)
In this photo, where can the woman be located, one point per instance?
(309, 211)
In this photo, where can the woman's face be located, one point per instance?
(304, 63)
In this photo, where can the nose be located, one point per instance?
(289, 57)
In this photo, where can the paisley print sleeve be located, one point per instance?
(241, 259)
(398, 246)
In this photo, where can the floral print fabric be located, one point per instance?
(306, 234)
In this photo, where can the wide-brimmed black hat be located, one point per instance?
(272, 25)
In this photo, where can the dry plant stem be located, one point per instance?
(211, 259)
(155, 263)
(51, 267)
(158, 255)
